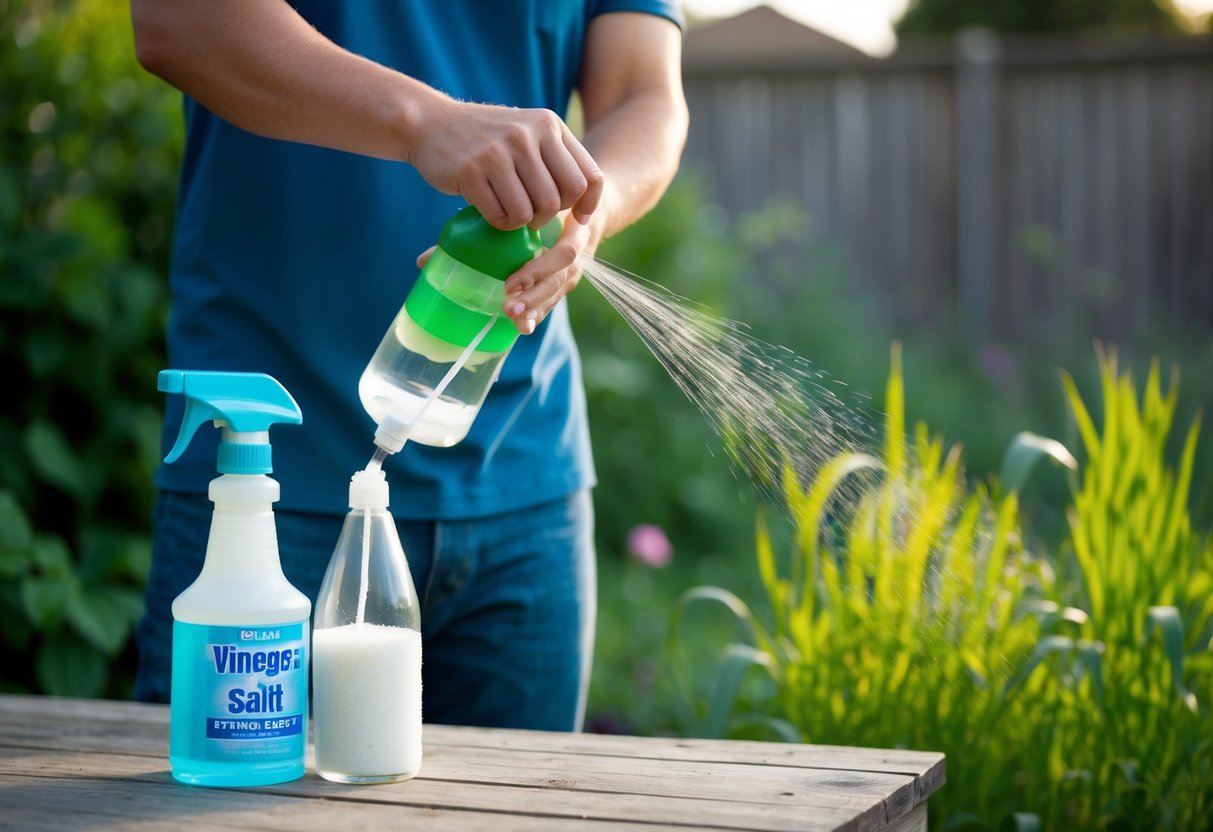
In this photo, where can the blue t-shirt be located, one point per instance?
(293, 260)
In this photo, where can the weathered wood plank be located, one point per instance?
(95, 803)
(928, 766)
(853, 791)
(558, 797)
(474, 754)
(701, 783)
(40, 719)
(915, 821)
(135, 736)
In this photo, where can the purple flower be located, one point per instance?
(648, 544)
(998, 363)
(606, 724)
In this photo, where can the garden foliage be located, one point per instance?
(88, 160)
(915, 618)
(1053, 640)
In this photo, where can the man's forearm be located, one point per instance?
(262, 67)
(635, 112)
(638, 147)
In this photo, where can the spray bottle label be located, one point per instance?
(239, 693)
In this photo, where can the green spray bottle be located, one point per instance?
(239, 707)
(435, 365)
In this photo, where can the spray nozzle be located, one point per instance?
(244, 405)
(391, 434)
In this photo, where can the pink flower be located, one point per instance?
(998, 363)
(648, 544)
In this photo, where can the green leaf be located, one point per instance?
(1020, 822)
(45, 352)
(107, 555)
(1178, 516)
(145, 428)
(1051, 614)
(52, 457)
(711, 595)
(1082, 418)
(1090, 653)
(52, 557)
(1170, 626)
(67, 666)
(44, 600)
(136, 560)
(777, 589)
(895, 415)
(966, 822)
(100, 618)
(811, 512)
(763, 727)
(1047, 646)
(738, 659)
(10, 198)
(16, 631)
(13, 563)
(1023, 454)
(16, 534)
(129, 602)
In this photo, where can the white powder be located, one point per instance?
(366, 702)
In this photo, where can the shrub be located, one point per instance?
(915, 619)
(87, 173)
(1129, 744)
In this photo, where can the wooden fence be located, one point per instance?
(1030, 184)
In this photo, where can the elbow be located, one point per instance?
(679, 126)
(152, 35)
(683, 123)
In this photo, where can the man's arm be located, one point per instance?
(635, 112)
(636, 126)
(259, 65)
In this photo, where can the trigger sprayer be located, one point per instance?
(239, 705)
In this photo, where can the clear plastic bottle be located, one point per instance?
(366, 649)
(455, 304)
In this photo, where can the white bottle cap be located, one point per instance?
(368, 489)
(391, 434)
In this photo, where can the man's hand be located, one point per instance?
(532, 291)
(636, 125)
(518, 167)
(265, 69)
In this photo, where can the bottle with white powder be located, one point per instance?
(366, 650)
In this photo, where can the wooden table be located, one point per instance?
(89, 764)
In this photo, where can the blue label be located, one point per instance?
(239, 693)
(254, 729)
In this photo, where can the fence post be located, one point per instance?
(977, 56)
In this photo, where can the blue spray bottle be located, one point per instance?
(240, 631)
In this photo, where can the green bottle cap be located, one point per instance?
(462, 288)
(470, 239)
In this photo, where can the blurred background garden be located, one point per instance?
(1001, 234)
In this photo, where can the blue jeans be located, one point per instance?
(507, 604)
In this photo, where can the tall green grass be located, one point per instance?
(1073, 688)
(1134, 743)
